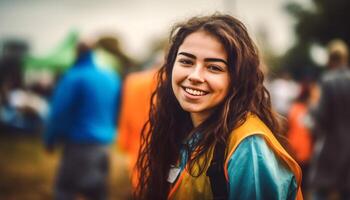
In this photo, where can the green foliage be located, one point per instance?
(329, 19)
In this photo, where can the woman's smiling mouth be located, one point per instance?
(195, 92)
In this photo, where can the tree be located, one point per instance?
(327, 20)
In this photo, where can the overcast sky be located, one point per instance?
(44, 23)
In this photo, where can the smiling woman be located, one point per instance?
(211, 132)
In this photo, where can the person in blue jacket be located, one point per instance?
(83, 118)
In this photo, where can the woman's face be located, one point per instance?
(200, 77)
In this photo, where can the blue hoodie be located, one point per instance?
(84, 105)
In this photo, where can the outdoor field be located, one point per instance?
(27, 171)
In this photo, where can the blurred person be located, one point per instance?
(211, 131)
(135, 105)
(283, 91)
(83, 119)
(299, 135)
(330, 169)
(137, 90)
(11, 79)
(115, 54)
(25, 111)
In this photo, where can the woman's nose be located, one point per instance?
(196, 75)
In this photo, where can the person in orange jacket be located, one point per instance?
(137, 90)
(299, 135)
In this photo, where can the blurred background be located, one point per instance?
(38, 40)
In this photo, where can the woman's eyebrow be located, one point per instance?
(215, 60)
(205, 60)
(187, 55)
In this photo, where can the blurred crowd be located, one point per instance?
(103, 81)
(317, 114)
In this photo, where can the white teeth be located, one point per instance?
(194, 92)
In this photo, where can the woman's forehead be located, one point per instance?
(203, 44)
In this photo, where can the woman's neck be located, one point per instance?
(198, 118)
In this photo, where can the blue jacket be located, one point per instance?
(84, 105)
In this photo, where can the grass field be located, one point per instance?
(27, 171)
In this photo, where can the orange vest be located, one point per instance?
(188, 187)
(299, 135)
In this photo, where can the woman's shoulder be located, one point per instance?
(254, 165)
(255, 150)
(252, 125)
(256, 146)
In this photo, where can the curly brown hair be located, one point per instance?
(169, 125)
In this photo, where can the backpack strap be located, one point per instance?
(216, 173)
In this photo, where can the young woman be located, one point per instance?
(211, 130)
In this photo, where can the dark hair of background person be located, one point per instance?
(112, 45)
(81, 49)
(336, 59)
(169, 125)
(306, 87)
(338, 54)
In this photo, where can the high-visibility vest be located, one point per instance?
(192, 188)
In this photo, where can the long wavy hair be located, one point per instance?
(169, 125)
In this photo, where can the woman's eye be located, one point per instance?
(215, 68)
(185, 62)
